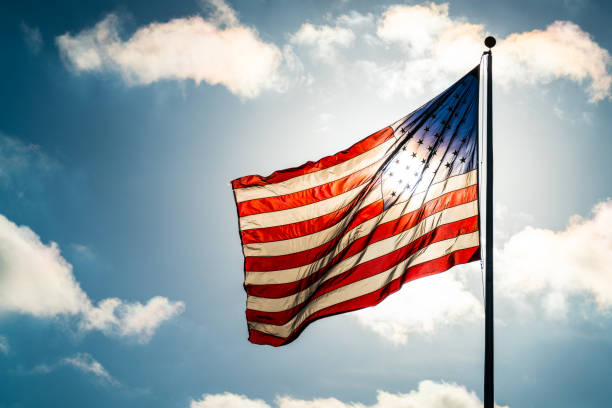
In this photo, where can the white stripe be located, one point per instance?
(316, 239)
(372, 251)
(305, 242)
(309, 211)
(368, 285)
(451, 184)
(316, 178)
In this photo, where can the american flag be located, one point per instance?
(344, 232)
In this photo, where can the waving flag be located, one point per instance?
(344, 232)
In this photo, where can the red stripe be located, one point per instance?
(368, 269)
(382, 231)
(310, 167)
(370, 299)
(307, 227)
(307, 196)
(285, 289)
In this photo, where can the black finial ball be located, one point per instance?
(490, 42)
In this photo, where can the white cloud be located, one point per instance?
(552, 266)
(439, 48)
(131, 319)
(436, 44)
(218, 51)
(428, 395)
(536, 271)
(563, 50)
(227, 400)
(4, 345)
(435, 49)
(422, 307)
(32, 37)
(87, 364)
(416, 26)
(36, 280)
(323, 39)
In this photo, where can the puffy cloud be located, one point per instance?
(227, 400)
(34, 277)
(36, 280)
(415, 26)
(32, 37)
(552, 266)
(323, 39)
(218, 51)
(130, 319)
(428, 395)
(536, 270)
(563, 50)
(87, 364)
(422, 307)
(439, 48)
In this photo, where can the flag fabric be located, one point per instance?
(344, 232)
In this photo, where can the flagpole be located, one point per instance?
(488, 369)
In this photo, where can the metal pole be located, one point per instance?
(488, 370)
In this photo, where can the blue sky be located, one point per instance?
(122, 124)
